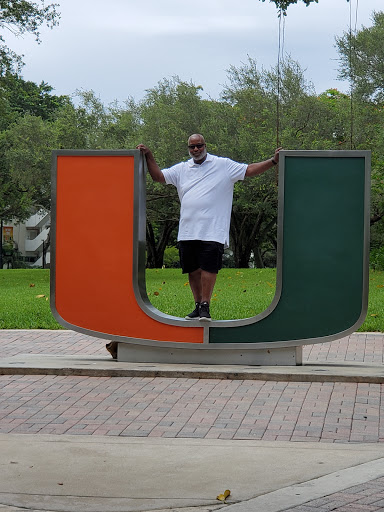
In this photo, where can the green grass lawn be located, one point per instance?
(24, 300)
(24, 296)
(238, 293)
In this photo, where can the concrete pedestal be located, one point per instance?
(134, 353)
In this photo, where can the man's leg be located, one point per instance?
(208, 280)
(202, 284)
(196, 284)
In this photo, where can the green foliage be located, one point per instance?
(28, 147)
(170, 113)
(171, 257)
(362, 57)
(24, 169)
(361, 61)
(376, 259)
(20, 17)
(12, 258)
(26, 97)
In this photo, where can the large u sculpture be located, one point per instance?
(98, 261)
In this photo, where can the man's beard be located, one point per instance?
(202, 155)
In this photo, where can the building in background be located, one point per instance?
(27, 243)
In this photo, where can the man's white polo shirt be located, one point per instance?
(206, 193)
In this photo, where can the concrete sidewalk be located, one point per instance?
(73, 437)
(74, 473)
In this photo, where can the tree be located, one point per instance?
(20, 17)
(19, 97)
(27, 97)
(24, 169)
(123, 124)
(362, 59)
(361, 62)
(15, 200)
(28, 146)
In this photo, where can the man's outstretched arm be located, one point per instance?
(260, 167)
(153, 168)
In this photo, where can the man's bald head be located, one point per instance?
(196, 138)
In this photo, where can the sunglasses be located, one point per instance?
(198, 146)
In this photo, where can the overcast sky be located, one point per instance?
(120, 48)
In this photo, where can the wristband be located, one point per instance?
(273, 161)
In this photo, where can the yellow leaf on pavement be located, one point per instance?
(224, 496)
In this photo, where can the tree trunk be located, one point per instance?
(259, 263)
(156, 248)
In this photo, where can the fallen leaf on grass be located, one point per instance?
(224, 496)
(269, 284)
(31, 285)
(39, 296)
(375, 314)
(156, 293)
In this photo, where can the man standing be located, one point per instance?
(205, 188)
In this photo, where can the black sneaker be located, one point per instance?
(195, 315)
(204, 312)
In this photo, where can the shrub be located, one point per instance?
(376, 259)
(171, 258)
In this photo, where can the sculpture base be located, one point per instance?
(134, 353)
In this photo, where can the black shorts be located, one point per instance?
(195, 254)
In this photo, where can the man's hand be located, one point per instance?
(276, 155)
(143, 149)
(153, 168)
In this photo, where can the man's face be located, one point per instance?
(197, 149)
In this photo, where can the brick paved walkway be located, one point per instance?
(191, 408)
